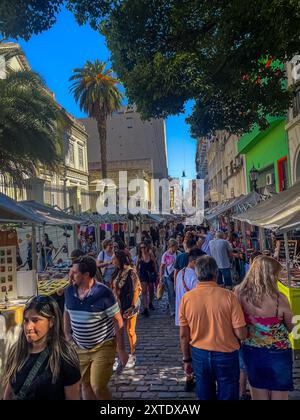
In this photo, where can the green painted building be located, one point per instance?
(267, 151)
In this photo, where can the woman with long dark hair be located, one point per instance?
(42, 365)
(146, 268)
(127, 288)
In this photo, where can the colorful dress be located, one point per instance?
(267, 353)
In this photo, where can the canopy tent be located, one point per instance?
(49, 215)
(280, 213)
(12, 212)
(236, 205)
(151, 218)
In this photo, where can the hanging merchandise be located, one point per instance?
(108, 227)
(116, 227)
(102, 226)
(90, 230)
(8, 273)
(124, 227)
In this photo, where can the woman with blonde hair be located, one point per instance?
(267, 350)
(42, 365)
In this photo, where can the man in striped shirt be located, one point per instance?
(92, 320)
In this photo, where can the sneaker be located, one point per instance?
(131, 362)
(151, 307)
(189, 385)
(145, 312)
(118, 367)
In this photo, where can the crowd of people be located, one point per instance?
(233, 331)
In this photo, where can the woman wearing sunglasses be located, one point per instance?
(42, 365)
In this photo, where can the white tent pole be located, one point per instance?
(287, 256)
(34, 254)
(75, 241)
(33, 245)
(244, 237)
(262, 238)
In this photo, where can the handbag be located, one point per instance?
(160, 291)
(21, 395)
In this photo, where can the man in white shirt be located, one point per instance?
(186, 279)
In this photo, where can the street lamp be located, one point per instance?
(254, 174)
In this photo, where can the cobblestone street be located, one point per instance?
(158, 373)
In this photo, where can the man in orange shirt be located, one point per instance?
(211, 324)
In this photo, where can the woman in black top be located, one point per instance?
(42, 365)
(146, 268)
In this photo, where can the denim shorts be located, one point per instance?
(241, 360)
(269, 369)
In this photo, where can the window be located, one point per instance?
(80, 157)
(71, 154)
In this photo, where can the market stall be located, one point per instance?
(281, 214)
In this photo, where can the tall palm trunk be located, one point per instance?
(101, 125)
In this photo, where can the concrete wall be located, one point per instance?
(130, 138)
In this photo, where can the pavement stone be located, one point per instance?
(158, 372)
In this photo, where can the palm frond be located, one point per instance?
(31, 126)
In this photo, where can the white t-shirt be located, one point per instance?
(169, 260)
(107, 272)
(191, 281)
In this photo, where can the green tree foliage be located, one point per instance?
(24, 18)
(95, 89)
(31, 125)
(167, 52)
(172, 51)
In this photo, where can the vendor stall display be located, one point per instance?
(49, 287)
(281, 214)
(8, 273)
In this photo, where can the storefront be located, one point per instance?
(267, 152)
(281, 215)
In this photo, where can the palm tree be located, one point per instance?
(95, 89)
(29, 124)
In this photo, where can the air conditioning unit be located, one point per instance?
(270, 179)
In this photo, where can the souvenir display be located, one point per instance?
(8, 273)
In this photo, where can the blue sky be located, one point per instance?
(55, 53)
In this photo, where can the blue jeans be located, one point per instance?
(217, 374)
(169, 286)
(225, 278)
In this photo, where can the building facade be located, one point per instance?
(202, 166)
(70, 185)
(293, 123)
(135, 146)
(267, 152)
(226, 177)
